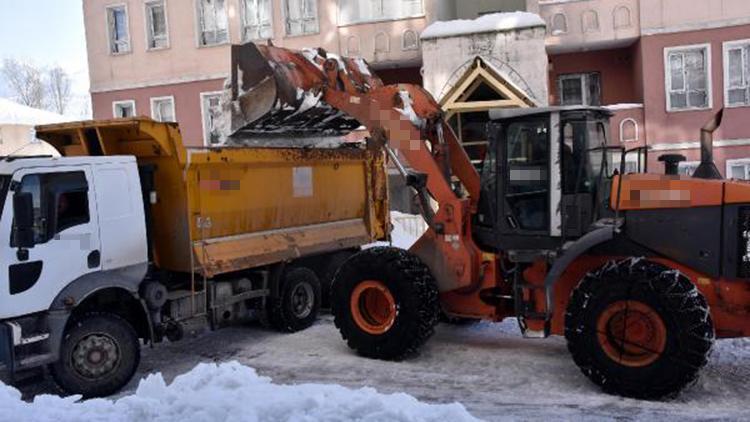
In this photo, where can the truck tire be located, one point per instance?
(385, 303)
(332, 265)
(296, 306)
(99, 355)
(639, 329)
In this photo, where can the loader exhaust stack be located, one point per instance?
(707, 168)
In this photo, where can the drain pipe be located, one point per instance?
(707, 168)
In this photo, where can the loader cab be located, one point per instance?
(546, 177)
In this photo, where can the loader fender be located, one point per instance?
(572, 252)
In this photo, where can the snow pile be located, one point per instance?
(12, 113)
(488, 23)
(230, 392)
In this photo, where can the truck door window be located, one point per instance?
(528, 174)
(60, 202)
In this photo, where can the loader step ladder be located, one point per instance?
(525, 305)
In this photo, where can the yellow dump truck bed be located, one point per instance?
(219, 210)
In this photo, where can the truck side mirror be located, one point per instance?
(23, 215)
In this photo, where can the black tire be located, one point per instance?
(286, 311)
(101, 334)
(331, 267)
(459, 321)
(687, 329)
(413, 290)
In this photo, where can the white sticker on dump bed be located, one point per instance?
(302, 179)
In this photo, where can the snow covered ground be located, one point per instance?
(487, 367)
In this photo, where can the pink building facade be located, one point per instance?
(663, 66)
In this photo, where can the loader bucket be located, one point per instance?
(277, 92)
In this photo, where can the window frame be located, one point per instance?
(682, 164)
(403, 40)
(285, 16)
(584, 78)
(668, 77)
(726, 46)
(204, 110)
(119, 102)
(243, 22)
(198, 10)
(148, 28)
(622, 132)
(343, 23)
(110, 40)
(154, 100)
(738, 161)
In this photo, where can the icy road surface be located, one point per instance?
(489, 368)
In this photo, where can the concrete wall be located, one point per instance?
(658, 16)
(520, 55)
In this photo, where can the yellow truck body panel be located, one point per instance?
(220, 210)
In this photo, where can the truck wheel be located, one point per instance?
(297, 305)
(385, 303)
(639, 329)
(99, 355)
(334, 262)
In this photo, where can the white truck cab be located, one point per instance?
(68, 228)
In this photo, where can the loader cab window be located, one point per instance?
(527, 192)
(60, 202)
(583, 156)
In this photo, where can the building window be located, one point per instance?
(355, 11)
(352, 46)
(688, 78)
(628, 130)
(382, 43)
(410, 40)
(162, 109)
(559, 24)
(737, 73)
(156, 25)
(212, 22)
(123, 109)
(622, 17)
(211, 112)
(590, 20)
(256, 20)
(301, 17)
(687, 168)
(119, 34)
(738, 169)
(580, 89)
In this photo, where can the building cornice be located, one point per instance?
(696, 26)
(110, 87)
(675, 146)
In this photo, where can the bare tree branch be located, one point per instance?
(58, 89)
(25, 81)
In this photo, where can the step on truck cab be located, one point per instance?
(130, 238)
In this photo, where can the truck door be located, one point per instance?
(66, 238)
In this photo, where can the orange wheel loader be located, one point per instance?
(640, 272)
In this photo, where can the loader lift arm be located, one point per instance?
(312, 93)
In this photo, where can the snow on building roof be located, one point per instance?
(488, 23)
(12, 113)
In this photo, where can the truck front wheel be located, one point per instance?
(99, 355)
(385, 303)
(639, 329)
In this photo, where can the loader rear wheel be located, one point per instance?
(385, 303)
(639, 329)
(296, 306)
(99, 355)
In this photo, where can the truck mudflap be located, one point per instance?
(7, 357)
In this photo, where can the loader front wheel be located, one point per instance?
(385, 303)
(639, 329)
